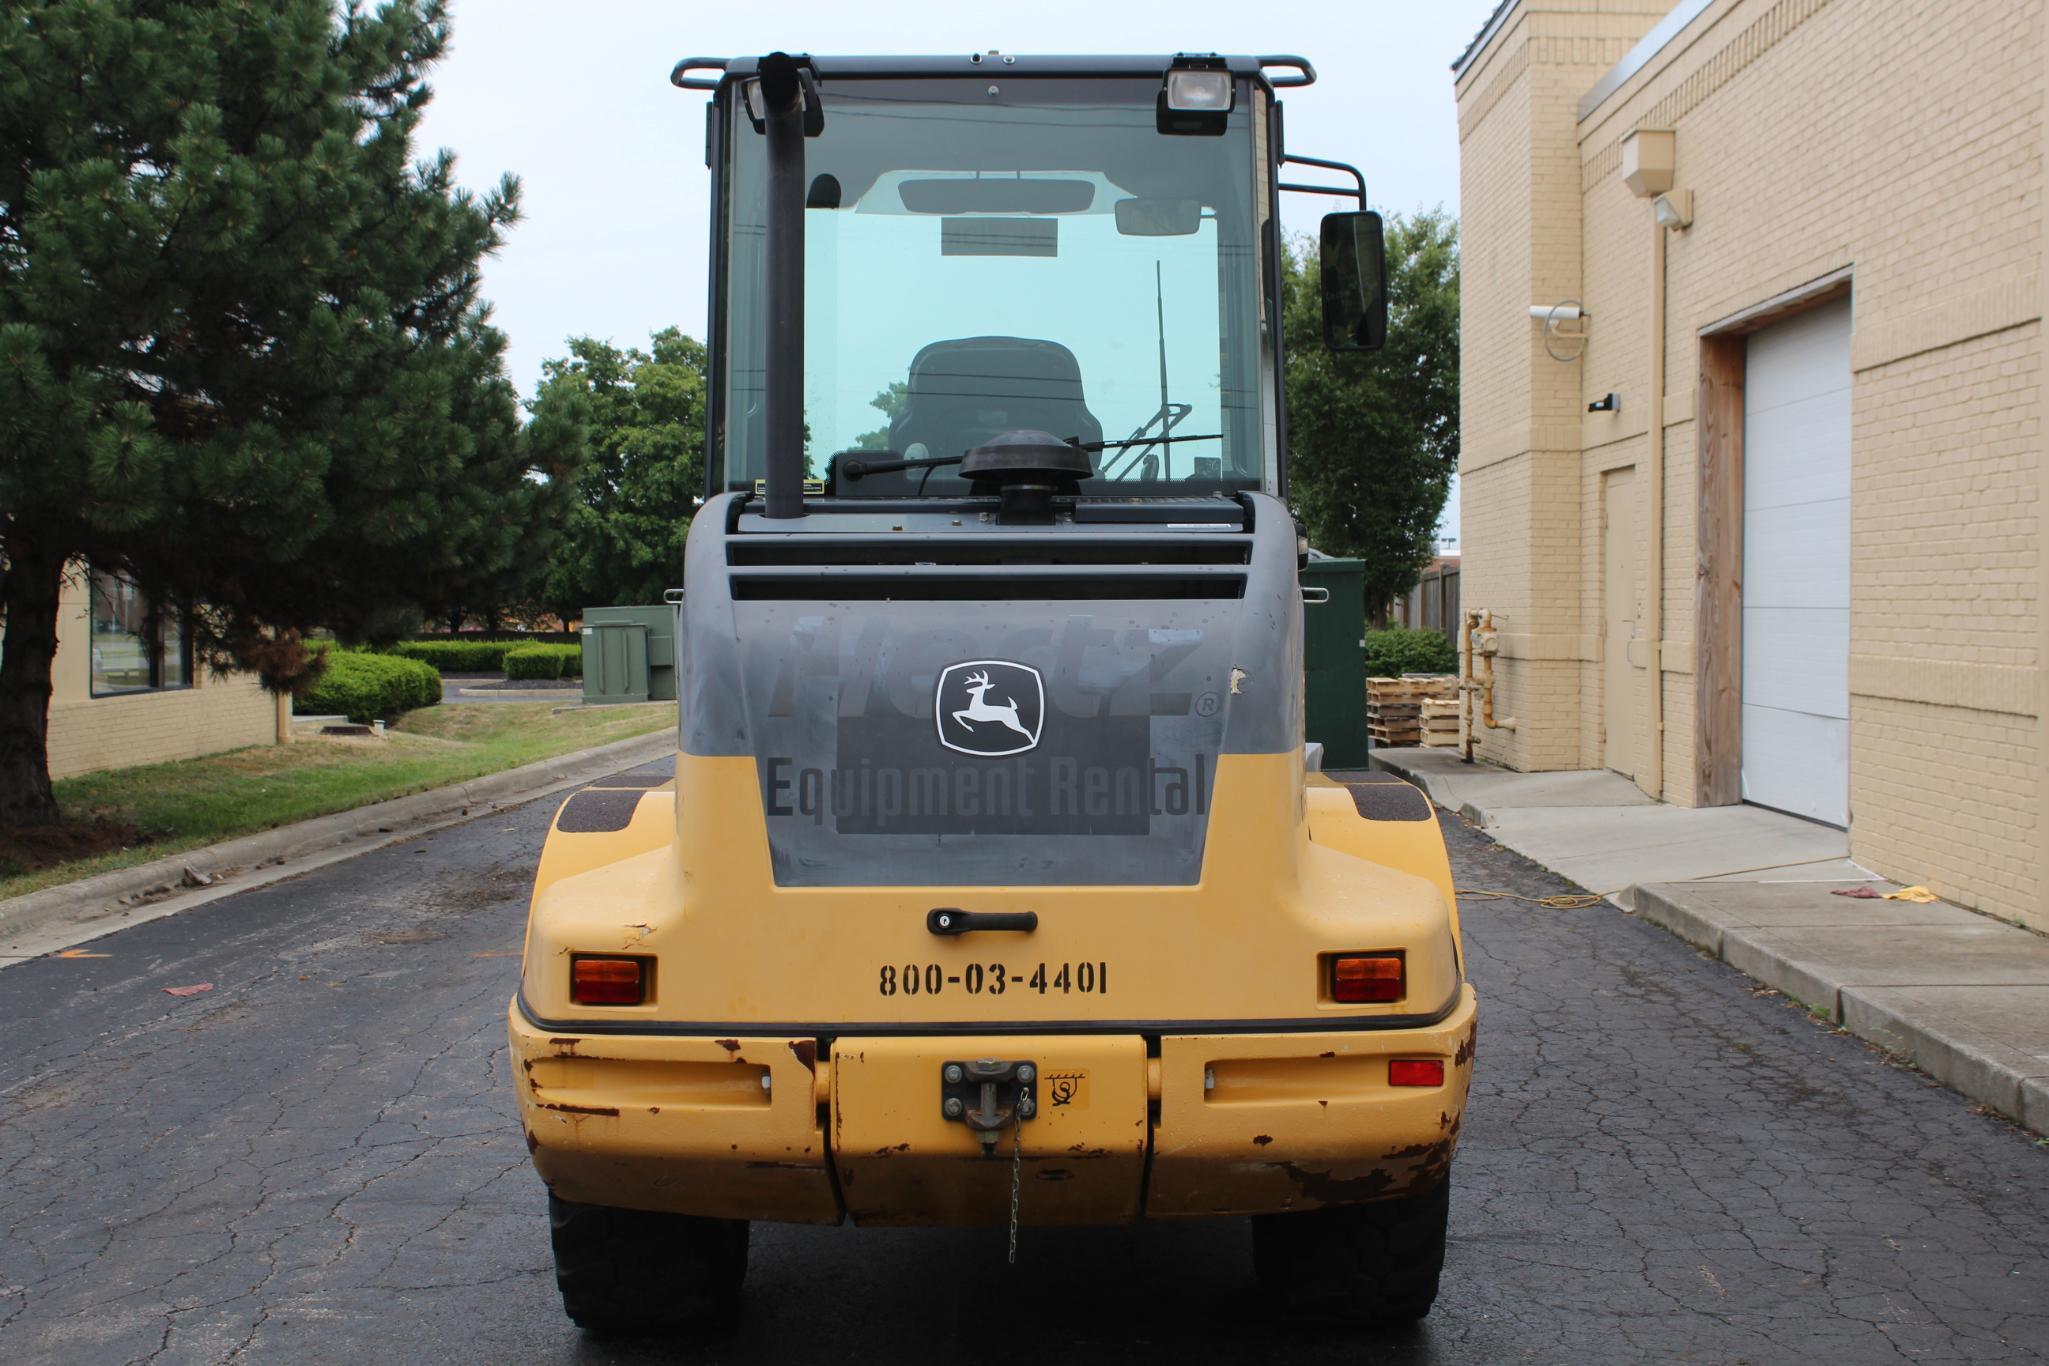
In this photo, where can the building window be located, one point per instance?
(136, 645)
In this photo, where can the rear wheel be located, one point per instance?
(634, 1271)
(1372, 1264)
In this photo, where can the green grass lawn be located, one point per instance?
(194, 802)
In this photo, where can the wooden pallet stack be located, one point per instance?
(1397, 708)
(1440, 723)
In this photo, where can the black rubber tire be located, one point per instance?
(633, 1271)
(1374, 1264)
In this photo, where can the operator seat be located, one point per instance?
(963, 392)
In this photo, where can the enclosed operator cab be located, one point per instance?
(992, 886)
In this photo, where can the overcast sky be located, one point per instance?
(572, 96)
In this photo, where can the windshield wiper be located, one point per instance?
(855, 470)
(1141, 441)
(860, 469)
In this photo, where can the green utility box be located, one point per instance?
(629, 654)
(1334, 655)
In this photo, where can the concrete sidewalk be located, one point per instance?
(1962, 996)
(1600, 830)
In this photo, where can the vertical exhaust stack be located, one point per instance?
(784, 90)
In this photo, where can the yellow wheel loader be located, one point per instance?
(993, 886)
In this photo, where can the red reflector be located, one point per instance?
(1415, 1071)
(607, 981)
(1364, 978)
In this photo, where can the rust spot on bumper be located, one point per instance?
(807, 1053)
(1331, 1189)
(730, 1045)
(1409, 1170)
(608, 1111)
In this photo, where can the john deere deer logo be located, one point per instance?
(989, 707)
(982, 709)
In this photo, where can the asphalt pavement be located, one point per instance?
(316, 1159)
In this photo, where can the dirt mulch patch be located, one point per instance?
(30, 848)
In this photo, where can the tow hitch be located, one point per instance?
(988, 1096)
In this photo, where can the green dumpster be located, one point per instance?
(1334, 656)
(629, 654)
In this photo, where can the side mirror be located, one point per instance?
(1354, 269)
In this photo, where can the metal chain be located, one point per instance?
(1016, 1179)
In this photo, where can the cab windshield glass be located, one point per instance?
(1003, 255)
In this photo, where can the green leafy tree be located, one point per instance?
(641, 419)
(1373, 437)
(890, 403)
(242, 355)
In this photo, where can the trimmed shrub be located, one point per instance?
(364, 687)
(544, 661)
(457, 656)
(1402, 650)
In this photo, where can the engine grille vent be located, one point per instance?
(1065, 565)
(1074, 548)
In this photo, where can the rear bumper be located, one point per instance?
(1258, 1124)
(752, 1127)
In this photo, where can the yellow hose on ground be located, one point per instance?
(1565, 901)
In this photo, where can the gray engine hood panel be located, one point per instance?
(952, 721)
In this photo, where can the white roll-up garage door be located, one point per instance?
(1796, 566)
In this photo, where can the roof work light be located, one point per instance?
(1197, 97)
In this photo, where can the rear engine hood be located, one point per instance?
(931, 698)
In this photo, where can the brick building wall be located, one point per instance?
(1520, 472)
(1895, 143)
(89, 733)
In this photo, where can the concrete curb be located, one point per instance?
(1677, 918)
(1478, 817)
(521, 694)
(1470, 812)
(1958, 1063)
(1982, 1069)
(92, 906)
(1378, 758)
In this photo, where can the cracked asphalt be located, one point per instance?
(317, 1160)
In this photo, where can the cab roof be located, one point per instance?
(1290, 71)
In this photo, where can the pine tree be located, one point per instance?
(243, 360)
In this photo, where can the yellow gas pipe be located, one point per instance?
(1481, 619)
